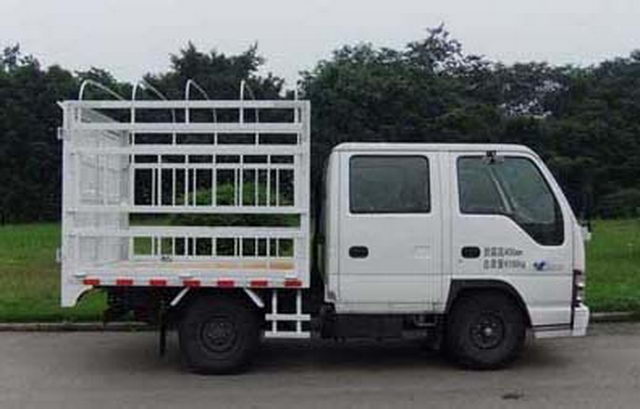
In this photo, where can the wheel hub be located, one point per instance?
(218, 334)
(487, 331)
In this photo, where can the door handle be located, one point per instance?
(470, 252)
(358, 252)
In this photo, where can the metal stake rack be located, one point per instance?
(153, 191)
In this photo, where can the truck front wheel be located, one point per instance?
(218, 334)
(485, 330)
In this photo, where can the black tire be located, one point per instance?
(218, 335)
(485, 330)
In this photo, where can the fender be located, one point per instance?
(459, 286)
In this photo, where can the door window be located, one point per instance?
(514, 187)
(389, 184)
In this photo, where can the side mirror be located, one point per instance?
(586, 230)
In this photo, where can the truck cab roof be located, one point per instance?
(431, 147)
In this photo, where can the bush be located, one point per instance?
(623, 203)
(225, 196)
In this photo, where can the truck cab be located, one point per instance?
(415, 229)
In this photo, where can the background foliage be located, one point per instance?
(582, 120)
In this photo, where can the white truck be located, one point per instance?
(196, 214)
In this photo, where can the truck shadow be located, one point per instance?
(368, 356)
(332, 355)
(283, 356)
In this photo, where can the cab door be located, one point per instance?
(390, 237)
(510, 223)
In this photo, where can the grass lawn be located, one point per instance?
(30, 277)
(30, 282)
(613, 266)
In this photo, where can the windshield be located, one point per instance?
(514, 187)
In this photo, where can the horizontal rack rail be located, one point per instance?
(208, 166)
(190, 231)
(191, 149)
(200, 209)
(183, 104)
(181, 127)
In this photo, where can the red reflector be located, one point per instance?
(158, 282)
(293, 283)
(226, 283)
(259, 283)
(91, 281)
(191, 283)
(124, 281)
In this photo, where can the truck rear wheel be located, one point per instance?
(218, 335)
(485, 330)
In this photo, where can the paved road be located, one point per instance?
(121, 370)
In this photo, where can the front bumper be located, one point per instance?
(577, 329)
(580, 321)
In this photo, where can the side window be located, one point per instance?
(389, 184)
(513, 187)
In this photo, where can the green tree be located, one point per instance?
(218, 74)
(29, 151)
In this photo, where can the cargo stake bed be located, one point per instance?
(197, 214)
